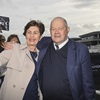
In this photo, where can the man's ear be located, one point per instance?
(68, 29)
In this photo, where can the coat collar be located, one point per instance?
(25, 51)
(24, 47)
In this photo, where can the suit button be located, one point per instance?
(14, 85)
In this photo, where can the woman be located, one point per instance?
(20, 81)
(13, 38)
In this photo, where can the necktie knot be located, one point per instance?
(57, 47)
(35, 54)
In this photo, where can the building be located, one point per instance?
(92, 40)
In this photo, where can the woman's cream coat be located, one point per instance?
(20, 68)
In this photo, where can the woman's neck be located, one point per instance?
(32, 48)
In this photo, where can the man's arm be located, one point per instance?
(87, 75)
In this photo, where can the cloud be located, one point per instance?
(83, 29)
(85, 4)
(83, 16)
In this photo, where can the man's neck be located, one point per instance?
(62, 44)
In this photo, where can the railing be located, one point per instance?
(94, 48)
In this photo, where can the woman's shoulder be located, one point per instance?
(21, 46)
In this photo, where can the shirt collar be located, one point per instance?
(62, 44)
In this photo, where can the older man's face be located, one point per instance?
(59, 31)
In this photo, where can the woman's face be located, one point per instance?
(14, 40)
(33, 36)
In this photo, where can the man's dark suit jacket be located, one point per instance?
(79, 70)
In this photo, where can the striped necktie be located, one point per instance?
(57, 47)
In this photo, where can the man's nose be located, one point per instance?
(56, 30)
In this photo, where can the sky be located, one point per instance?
(82, 16)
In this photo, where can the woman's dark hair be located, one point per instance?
(2, 39)
(13, 36)
(37, 23)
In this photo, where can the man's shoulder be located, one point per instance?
(44, 42)
(79, 45)
(45, 39)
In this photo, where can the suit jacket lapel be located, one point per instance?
(24, 51)
(71, 62)
(28, 54)
(70, 58)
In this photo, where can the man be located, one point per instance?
(64, 73)
(64, 66)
